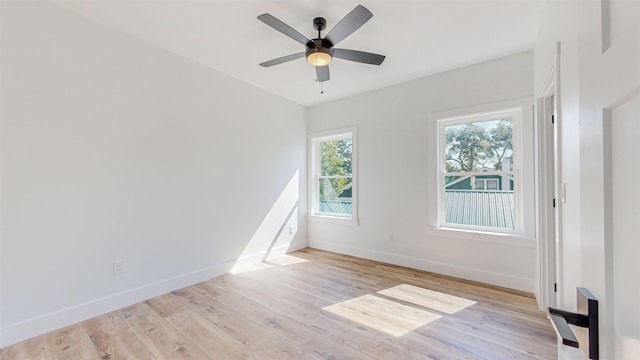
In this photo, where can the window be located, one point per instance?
(332, 184)
(478, 178)
(486, 184)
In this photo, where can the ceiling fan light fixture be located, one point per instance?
(319, 56)
(319, 51)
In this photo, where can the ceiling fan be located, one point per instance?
(320, 51)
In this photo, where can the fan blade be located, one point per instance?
(283, 59)
(358, 56)
(322, 72)
(283, 28)
(350, 23)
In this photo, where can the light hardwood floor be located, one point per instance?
(312, 304)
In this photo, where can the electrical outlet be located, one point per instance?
(390, 237)
(119, 267)
(291, 230)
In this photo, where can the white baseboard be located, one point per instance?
(14, 333)
(464, 272)
(24, 330)
(249, 259)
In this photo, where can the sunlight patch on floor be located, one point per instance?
(251, 267)
(285, 260)
(431, 299)
(383, 315)
(269, 263)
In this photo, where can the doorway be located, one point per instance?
(550, 196)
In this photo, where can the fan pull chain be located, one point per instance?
(321, 86)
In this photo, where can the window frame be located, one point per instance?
(314, 175)
(516, 114)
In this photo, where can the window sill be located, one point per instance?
(332, 219)
(486, 236)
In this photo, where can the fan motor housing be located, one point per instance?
(319, 45)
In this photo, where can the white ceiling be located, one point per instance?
(419, 38)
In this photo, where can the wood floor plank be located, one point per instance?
(162, 339)
(167, 304)
(305, 337)
(427, 298)
(383, 315)
(113, 339)
(258, 339)
(70, 343)
(210, 338)
(477, 346)
(29, 349)
(530, 344)
(281, 310)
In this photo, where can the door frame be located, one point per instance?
(550, 189)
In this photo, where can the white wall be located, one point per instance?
(397, 170)
(113, 149)
(592, 83)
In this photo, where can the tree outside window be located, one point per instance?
(335, 169)
(478, 146)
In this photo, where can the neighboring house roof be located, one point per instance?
(454, 181)
(480, 208)
(336, 207)
(347, 191)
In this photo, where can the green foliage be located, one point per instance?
(466, 147)
(335, 159)
(472, 147)
(501, 143)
